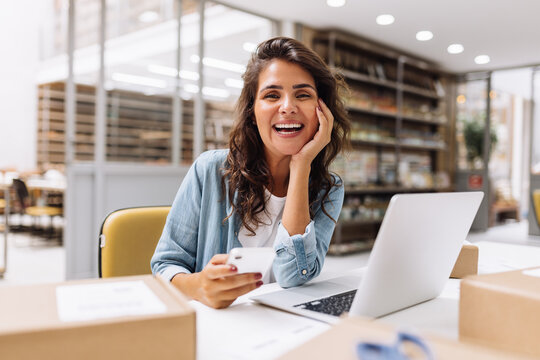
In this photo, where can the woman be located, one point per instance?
(271, 187)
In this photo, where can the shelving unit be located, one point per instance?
(400, 132)
(138, 126)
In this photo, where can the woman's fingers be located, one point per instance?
(219, 259)
(239, 291)
(236, 281)
(214, 272)
(329, 118)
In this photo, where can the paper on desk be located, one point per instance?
(108, 300)
(532, 272)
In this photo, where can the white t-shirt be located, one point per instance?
(265, 234)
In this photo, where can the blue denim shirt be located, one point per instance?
(195, 230)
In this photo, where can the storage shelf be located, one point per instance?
(348, 74)
(393, 115)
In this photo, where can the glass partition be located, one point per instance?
(471, 107)
(535, 145)
(230, 37)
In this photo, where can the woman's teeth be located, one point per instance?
(288, 128)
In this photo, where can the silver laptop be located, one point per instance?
(417, 245)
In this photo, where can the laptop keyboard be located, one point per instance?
(333, 305)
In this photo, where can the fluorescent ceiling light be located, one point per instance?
(335, 3)
(482, 59)
(139, 80)
(455, 49)
(385, 19)
(424, 35)
(234, 83)
(148, 16)
(249, 47)
(220, 64)
(208, 91)
(170, 71)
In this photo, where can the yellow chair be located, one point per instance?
(128, 239)
(536, 202)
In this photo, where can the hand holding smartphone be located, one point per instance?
(252, 260)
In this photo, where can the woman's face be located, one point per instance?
(285, 108)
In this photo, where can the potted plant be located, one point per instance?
(473, 133)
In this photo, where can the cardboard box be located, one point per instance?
(466, 263)
(340, 343)
(79, 320)
(502, 310)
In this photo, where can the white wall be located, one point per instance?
(19, 41)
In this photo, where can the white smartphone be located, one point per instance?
(252, 259)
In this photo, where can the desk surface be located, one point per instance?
(246, 330)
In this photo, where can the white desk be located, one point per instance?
(249, 331)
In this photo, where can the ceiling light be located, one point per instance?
(139, 80)
(220, 64)
(424, 35)
(148, 16)
(385, 19)
(249, 47)
(482, 59)
(170, 71)
(234, 83)
(208, 91)
(335, 3)
(455, 49)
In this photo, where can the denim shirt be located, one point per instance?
(195, 230)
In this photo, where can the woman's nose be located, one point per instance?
(288, 105)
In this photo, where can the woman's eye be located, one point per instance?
(270, 96)
(303, 96)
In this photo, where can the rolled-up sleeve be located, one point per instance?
(300, 258)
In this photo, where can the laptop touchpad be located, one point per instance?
(324, 288)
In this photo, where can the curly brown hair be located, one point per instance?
(245, 169)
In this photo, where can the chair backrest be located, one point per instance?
(128, 239)
(536, 202)
(22, 193)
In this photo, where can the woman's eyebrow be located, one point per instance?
(271, 87)
(279, 87)
(300, 86)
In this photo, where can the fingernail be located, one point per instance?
(259, 283)
(258, 276)
(233, 268)
(318, 107)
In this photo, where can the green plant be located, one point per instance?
(473, 132)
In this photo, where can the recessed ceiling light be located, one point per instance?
(384, 19)
(482, 59)
(455, 49)
(424, 35)
(148, 16)
(335, 3)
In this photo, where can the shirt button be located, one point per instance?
(304, 272)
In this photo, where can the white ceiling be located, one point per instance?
(508, 31)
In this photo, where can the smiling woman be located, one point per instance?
(271, 188)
